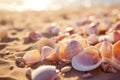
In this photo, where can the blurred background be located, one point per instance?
(21, 5)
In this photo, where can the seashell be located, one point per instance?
(93, 29)
(32, 57)
(3, 34)
(45, 72)
(87, 60)
(69, 30)
(80, 39)
(115, 62)
(44, 42)
(55, 31)
(117, 26)
(106, 49)
(48, 53)
(61, 37)
(28, 73)
(106, 52)
(66, 69)
(65, 52)
(116, 36)
(92, 39)
(34, 35)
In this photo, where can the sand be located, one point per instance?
(19, 23)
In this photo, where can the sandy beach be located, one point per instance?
(18, 24)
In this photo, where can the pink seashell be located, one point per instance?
(32, 57)
(106, 49)
(45, 72)
(92, 39)
(87, 60)
(65, 52)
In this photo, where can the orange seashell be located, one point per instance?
(106, 49)
(65, 52)
(116, 52)
(87, 60)
(48, 53)
(32, 57)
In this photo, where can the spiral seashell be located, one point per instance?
(32, 57)
(65, 52)
(87, 60)
(48, 53)
(45, 72)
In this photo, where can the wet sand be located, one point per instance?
(19, 23)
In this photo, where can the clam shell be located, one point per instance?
(48, 52)
(116, 52)
(66, 69)
(87, 60)
(92, 39)
(32, 57)
(45, 72)
(106, 49)
(65, 52)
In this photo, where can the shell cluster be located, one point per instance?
(91, 44)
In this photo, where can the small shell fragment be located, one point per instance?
(66, 69)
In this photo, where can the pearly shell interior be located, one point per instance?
(87, 60)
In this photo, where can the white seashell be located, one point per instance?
(28, 73)
(46, 52)
(46, 72)
(66, 69)
(87, 60)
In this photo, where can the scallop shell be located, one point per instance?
(65, 52)
(87, 60)
(32, 57)
(46, 72)
(48, 53)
